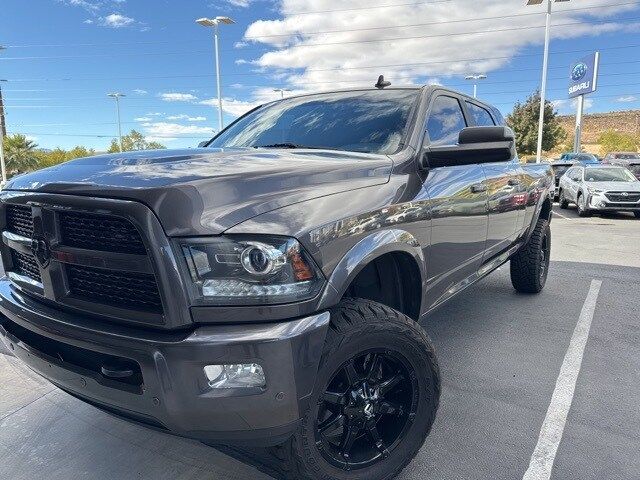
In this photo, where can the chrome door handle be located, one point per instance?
(478, 188)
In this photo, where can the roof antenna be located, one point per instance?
(382, 83)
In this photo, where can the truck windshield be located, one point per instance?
(608, 175)
(361, 121)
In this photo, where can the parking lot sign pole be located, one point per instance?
(545, 67)
(3, 129)
(577, 141)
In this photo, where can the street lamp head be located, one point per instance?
(481, 76)
(206, 22)
(116, 95)
(538, 2)
(2, 47)
(225, 20)
(212, 22)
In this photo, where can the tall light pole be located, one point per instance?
(2, 130)
(281, 90)
(545, 67)
(117, 96)
(476, 78)
(215, 22)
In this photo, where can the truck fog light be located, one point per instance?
(240, 375)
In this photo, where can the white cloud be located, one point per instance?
(90, 6)
(166, 131)
(240, 44)
(186, 117)
(627, 99)
(567, 107)
(240, 3)
(139, 91)
(177, 97)
(88, 21)
(143, 119)
(116, 20)
(438, 45)
(241, 61)
(232, 106)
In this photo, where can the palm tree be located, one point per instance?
(20, 155)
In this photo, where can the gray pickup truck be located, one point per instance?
(267, 288)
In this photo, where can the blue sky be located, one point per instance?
(64, 56)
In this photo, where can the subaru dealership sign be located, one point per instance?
(584, 75)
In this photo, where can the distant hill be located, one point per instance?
(594, 124)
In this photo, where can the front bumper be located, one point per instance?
(602, 203)
(173, 393)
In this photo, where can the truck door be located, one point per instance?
(503, 192)
(458, 197)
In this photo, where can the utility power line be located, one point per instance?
(352, 83)
(270, 84)
(303, 33)
(333, 69)
(307, 45)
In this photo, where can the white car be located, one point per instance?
(600, 188)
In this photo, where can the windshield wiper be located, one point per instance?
(291, 145)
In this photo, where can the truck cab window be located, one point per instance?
(481, 115)
(445, 122)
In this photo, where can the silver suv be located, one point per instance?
(600, 188)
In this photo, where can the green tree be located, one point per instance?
(20, 154)
(524, 122)
(58, 155)
(133, 141)
(611, 141)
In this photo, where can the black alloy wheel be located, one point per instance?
(366, 410)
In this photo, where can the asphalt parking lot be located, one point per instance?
(512, 366)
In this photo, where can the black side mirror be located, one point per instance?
(475, 145)
(203, 144)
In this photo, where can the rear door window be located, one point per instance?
(445, 122)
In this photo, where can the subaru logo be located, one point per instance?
(579, 71)
(41, 251)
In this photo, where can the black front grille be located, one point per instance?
(621, 205)
(19, 220)
(100, 232)
(124, 290)
(26, 265)
(631, 197)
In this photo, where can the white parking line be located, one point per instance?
(561, 216)
(553, 426)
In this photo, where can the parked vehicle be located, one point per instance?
(614, 157)
(629, 160)
(253, 291)
(585, 158)
(559, 168)
(600, 188)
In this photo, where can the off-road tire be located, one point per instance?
(358, 325)
(564, 203)
(583, 211)
(528, 270)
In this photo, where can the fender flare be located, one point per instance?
(363, 253)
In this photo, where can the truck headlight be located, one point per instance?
(255, 270)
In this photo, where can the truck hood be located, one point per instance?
(206, 191)
(615, 186)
